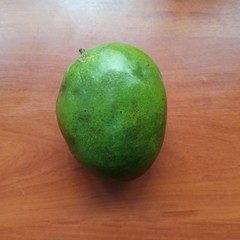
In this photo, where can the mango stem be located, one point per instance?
(81, 50)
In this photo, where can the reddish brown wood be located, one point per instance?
(193, 189)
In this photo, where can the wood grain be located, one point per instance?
(193, 189)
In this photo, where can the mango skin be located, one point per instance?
(111, 110)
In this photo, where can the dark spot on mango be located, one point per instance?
(76, 92)
(63, 87)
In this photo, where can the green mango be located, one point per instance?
(111, 110)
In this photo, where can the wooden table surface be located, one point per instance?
(192, 191)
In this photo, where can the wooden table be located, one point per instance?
(193, 189)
